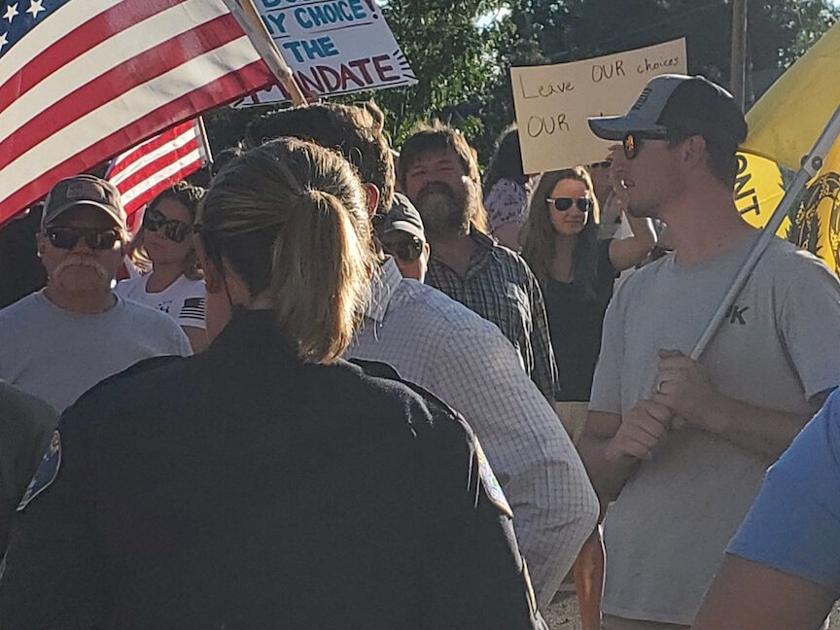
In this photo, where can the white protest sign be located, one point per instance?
(553, 102)
(333, 47)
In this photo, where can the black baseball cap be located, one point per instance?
(675, 101)
(403, 217)
(84, 190)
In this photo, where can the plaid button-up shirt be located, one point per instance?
(501, 288)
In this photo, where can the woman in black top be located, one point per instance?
(266, 483)
(576, 271)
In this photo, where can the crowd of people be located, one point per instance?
(336, 389)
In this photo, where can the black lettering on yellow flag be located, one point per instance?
(758, 190)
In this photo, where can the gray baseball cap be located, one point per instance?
(675, 101)
(403, 217)
(84, 190)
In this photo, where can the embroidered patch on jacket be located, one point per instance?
(46, 473)
(491, 485)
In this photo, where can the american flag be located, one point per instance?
(150, 167)
(81, 80)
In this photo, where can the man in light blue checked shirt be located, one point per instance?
(466, 361)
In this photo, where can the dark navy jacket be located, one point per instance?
(244, 489)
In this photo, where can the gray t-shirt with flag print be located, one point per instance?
(778, 347)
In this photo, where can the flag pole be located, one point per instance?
(811, 165)
(205, 141)
(249, 19)
(738, 63)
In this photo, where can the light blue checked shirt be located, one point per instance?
(466, 361)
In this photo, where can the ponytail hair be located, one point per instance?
(289, 217)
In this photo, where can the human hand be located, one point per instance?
(641, 429)
(683, 386)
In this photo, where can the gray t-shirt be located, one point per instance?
(57, 355)
(777, 348)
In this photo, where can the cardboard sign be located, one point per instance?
(333, 47)
(553, 102)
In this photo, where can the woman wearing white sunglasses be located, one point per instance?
(575, 270)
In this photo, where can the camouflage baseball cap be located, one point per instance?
(84, 190)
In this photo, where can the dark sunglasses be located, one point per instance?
(172, 229)
(634, 140)
(95, 238)
(406, 248)
(561, 204)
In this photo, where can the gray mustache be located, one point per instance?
(75, 260)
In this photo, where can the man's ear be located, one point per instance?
(372, 198)
(693, 151)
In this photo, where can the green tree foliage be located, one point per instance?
(453, 58)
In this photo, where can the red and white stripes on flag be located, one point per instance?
(154, 165)
(81, 80)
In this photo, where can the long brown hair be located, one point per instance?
(539, 240)
(289, 217)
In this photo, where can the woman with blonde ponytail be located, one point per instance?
(267, 483)
(277, 237)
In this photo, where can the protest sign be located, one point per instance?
(333, 47)
(553, 102)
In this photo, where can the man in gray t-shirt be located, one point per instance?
(680, 447)
(59, 342)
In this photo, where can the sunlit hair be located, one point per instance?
(289, 218)
(355, 131)
(188, 196)
(440, 137)
(538, 233)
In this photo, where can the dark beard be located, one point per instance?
(442, 210)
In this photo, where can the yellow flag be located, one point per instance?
(787, 120)
(758, 190)
(815, 225)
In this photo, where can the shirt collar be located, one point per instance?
(386, 281)
(482, 239)
(487, 246)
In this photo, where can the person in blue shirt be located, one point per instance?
(782, 568)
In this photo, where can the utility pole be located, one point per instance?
(738, 69)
